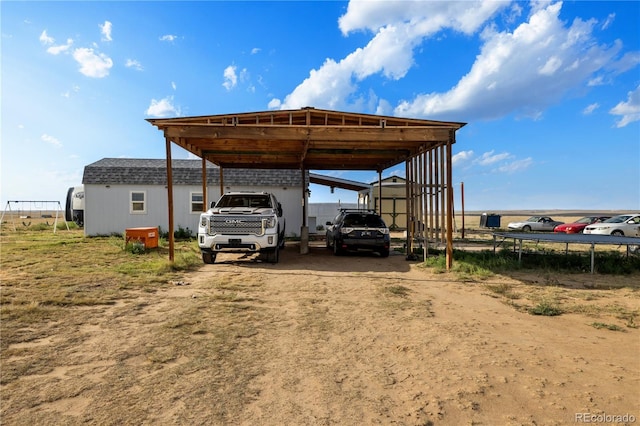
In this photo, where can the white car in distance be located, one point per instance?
(627, 225)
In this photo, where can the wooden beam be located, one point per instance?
(300, 133)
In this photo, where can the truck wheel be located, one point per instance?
(209, 258)
(274, 256)
(384, 253)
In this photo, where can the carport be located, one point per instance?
(316, 139)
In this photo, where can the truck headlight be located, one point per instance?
(204, 221)
(270, 222)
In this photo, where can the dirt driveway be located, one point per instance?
(319, 340)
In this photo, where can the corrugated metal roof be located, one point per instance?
(137, 171)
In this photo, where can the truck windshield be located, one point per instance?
(249, 201)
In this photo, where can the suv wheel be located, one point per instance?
(337, 251)
(384, 253)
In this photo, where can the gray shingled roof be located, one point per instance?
(134, 171)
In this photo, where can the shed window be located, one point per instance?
(197, 202)
(138, 202)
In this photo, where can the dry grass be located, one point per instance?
(44, 272)
(89, 336)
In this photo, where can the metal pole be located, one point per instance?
(519, 252)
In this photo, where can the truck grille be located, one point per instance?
(241, 225)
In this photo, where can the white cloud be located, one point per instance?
(132, 63)
(552, 65)
(51, 140)
(173, 85)
(629, 110)
(274, 103)
(168, 37)
(92, 64)
(489, 158)
(427, 16)
(628, 61)
(461, 157)
(255, 50)
(608, 21)
(45, 39)
(230, 77)
(105, 29)
(596, 81)
(55, 50)
(384, 108)
(515, 166)
(523, 71)
(399, 27)
(162, 108)
(590, 108)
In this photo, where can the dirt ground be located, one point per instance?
(319, 340)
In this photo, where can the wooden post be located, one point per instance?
(170, 200)
(204, 185)
(425, 194)
(450, 203)
(407, 185)
(304, 229)
(379, 192)
(436, 193)
(462, 202)
(430, 189)
(304, 197)
(418, 198)
(444, 188)
(221, 182)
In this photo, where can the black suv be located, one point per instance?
(358, 230)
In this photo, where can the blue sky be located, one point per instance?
(550, 90)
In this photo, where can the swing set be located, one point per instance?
(34, 211)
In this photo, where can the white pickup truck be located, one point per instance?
(242, 222)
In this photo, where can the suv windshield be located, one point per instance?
(368, 220)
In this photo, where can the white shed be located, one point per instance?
(123, 193)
